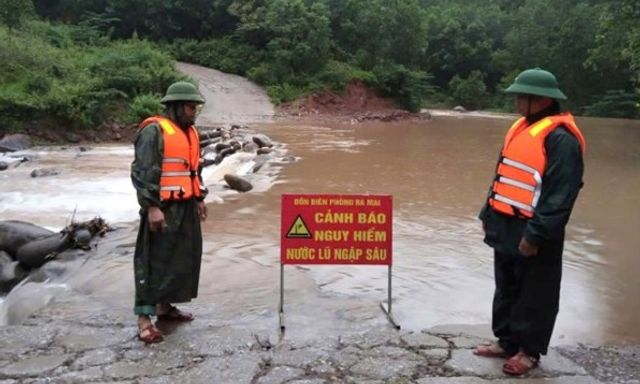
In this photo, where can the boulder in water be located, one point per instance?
(249, 147)
(238, 183)
(206, 135)
(288, 159)
(260, 161)
(264, 151)
(224, 153)
(221, 146)
(235, 145)
(207, 162)
(16, 142)
(3, 165)
(43, 172)
(262, 140)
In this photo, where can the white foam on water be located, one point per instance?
(89, 183)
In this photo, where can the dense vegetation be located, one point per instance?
(81, 61)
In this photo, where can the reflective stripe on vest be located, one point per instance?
(517, 186)
(180, 161)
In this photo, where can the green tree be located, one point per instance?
(300, 37)
(617, 53)
(462, 37)
(251, 16)
(370, 32)
(562, 49)
(470, 91)
(14, 12)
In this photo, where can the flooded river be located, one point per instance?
(438, 172)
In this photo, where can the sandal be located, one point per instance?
(519, 364)
(150, 334)
(174, 314)
(490, 350)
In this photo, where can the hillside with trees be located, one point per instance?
(77, 63)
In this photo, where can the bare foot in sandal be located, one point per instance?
(519, 364)
(147, 332)
(490, 350)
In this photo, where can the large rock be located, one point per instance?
(260, 160)
(238, 183)
(249, 147)
(222, 154)
(205, 135)
(43, 172)
(204, 143)
(235, 144)
(14, 234)
(16, 142)
(3, 165)
(35, 253)
(262, 140)
(222, 146)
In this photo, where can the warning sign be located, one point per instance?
(336, 229)
(298, 229)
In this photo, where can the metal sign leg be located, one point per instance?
(387, 310)
(281, 309)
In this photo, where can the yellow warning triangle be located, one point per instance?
(299, 229)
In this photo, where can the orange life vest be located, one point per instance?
(518, 183)
(180, 160)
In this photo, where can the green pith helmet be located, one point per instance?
(182, 91)
(537, 82)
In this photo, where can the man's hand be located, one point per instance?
(202, 210)
(156, 219)
(526, 248)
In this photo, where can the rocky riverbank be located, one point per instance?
(78, 337)
(101, 347)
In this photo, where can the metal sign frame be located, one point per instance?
(386, 309)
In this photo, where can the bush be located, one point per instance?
(470, 91)
(282, 93)
(50, 76)
(616, 103)
(264, 74)
(144, 106)
(407, 87)
(133, 67)
(336, 75)
(223, 54)
(14, 12)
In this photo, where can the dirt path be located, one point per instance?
(230, 98)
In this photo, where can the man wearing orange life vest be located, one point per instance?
(166, 176)
(536, 183)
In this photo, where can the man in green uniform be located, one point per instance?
(538, 177)
(169, 244)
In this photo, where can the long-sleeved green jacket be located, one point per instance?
(166, 263)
